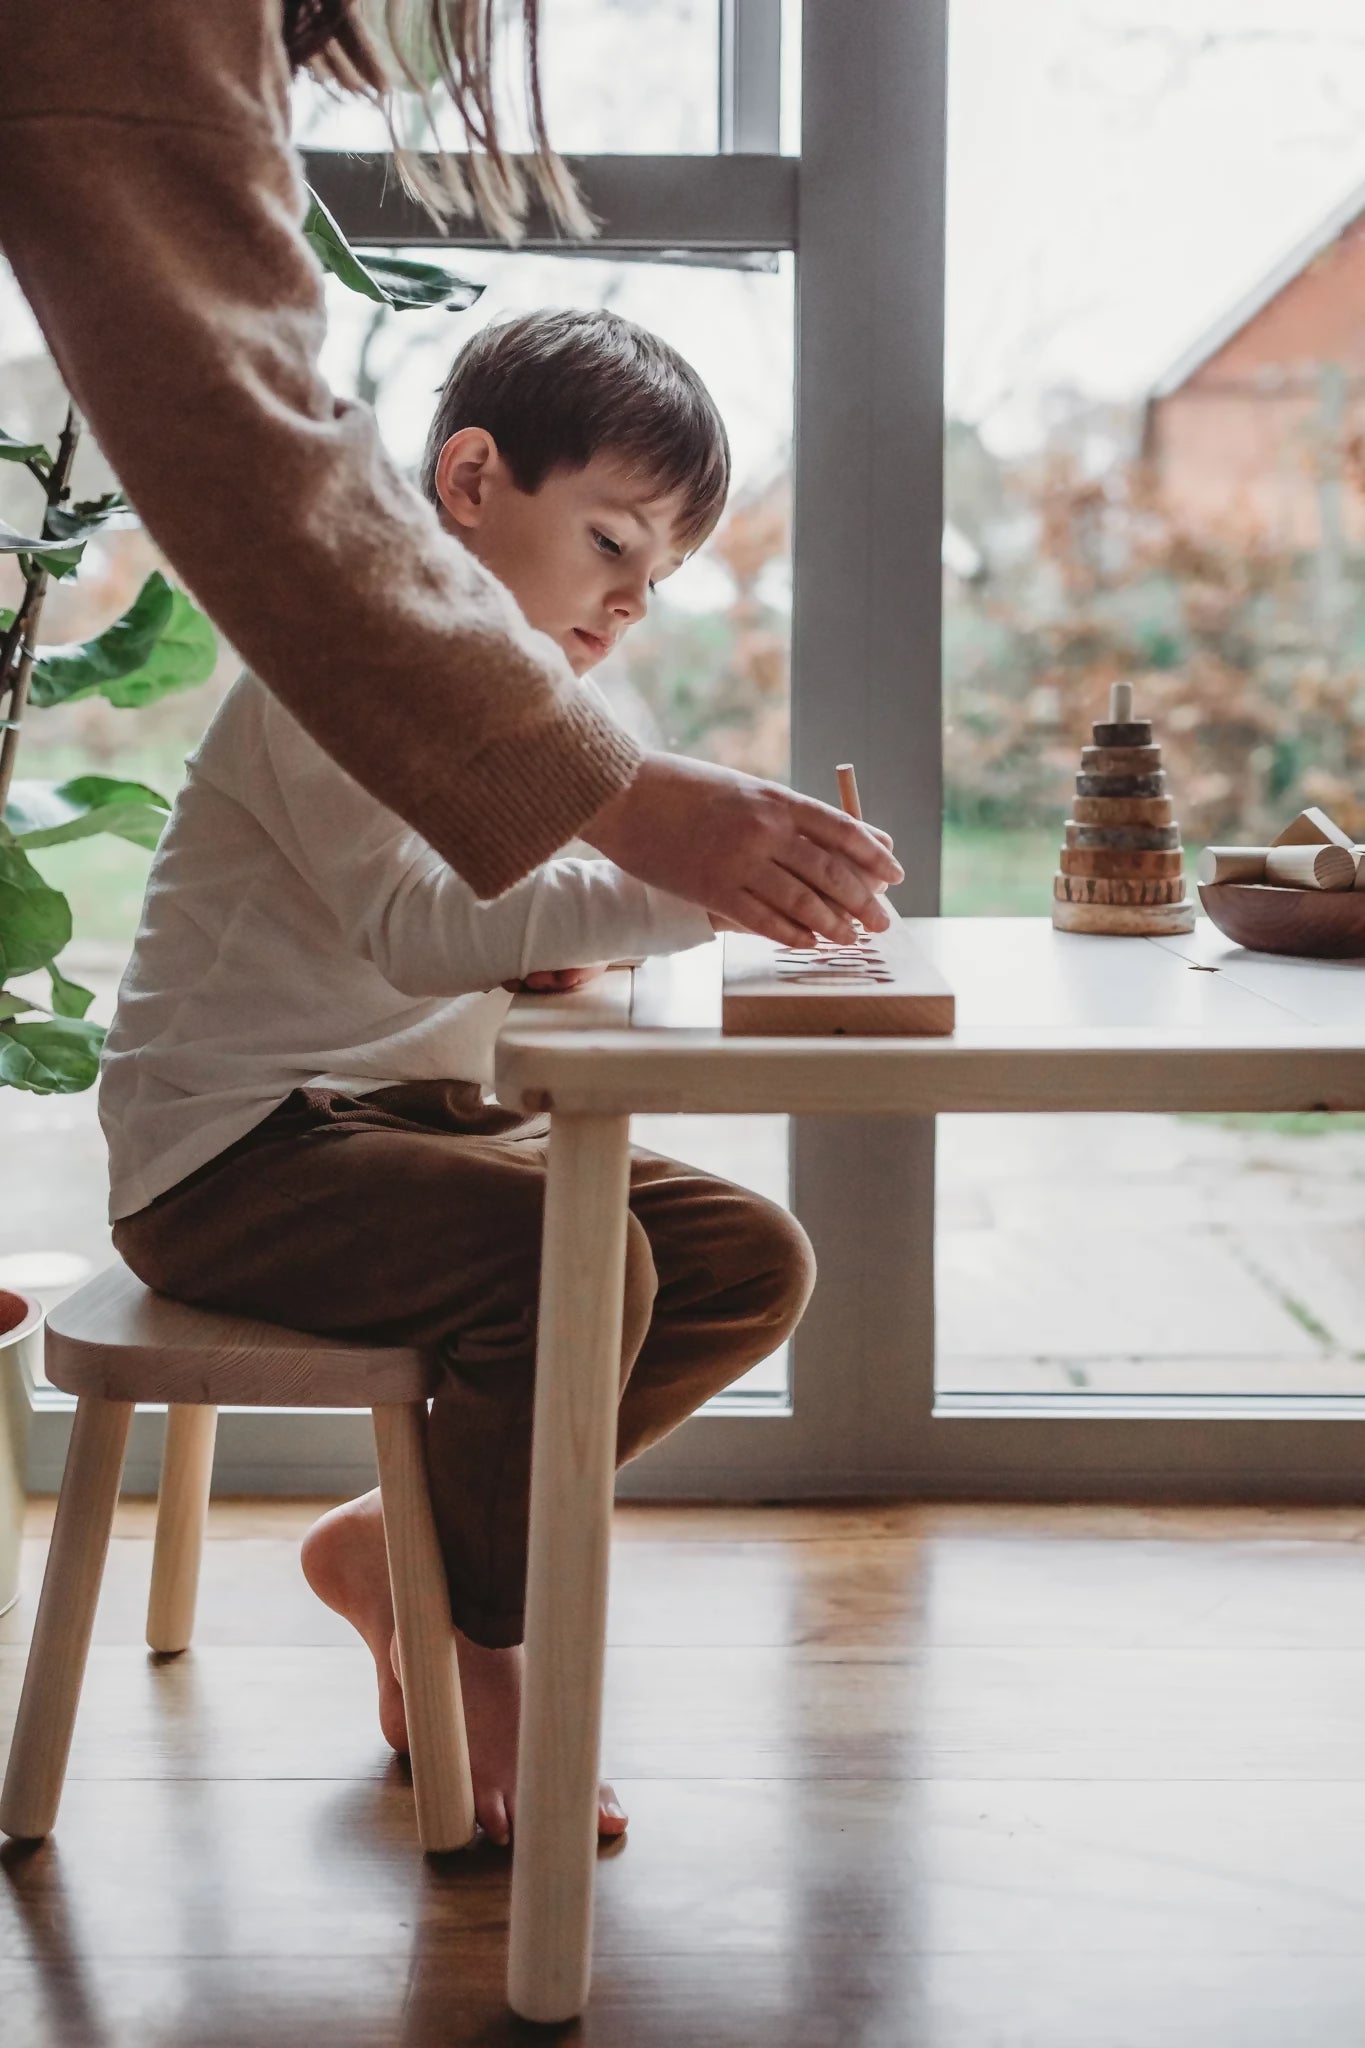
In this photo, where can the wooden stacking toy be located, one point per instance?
(1122, 869)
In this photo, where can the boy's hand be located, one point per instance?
(553, 981)
(773, 862)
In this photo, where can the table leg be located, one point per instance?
(573, 1462)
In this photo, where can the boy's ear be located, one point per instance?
(465, 468)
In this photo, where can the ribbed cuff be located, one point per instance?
(524, 796)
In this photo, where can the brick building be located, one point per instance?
(1258, 430)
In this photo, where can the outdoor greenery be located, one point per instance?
(1248, 657)
(1066, 572)
(161, 643)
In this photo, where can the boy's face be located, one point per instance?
(580, 555)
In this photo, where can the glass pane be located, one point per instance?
(618, 77)
(1155, 402)
(791, 78)
(707, 672)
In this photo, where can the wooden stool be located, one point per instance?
(114, 1343)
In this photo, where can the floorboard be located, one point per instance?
(898, 1777)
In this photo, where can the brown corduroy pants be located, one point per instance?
(413, 1215)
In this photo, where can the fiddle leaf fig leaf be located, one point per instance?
(86, 516)
(185, 655)
(12, 1005)
(51, 813)
(69, 999)
(53, 1056)
(408, 284)
(403, 282)
(12, 543)
(60, 673)
(68, 529)
(13, 450)
(162, 643)
(35, 921)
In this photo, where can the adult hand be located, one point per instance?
(769, 860)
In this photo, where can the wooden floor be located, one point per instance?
(947, 1778)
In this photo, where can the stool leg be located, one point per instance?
(426, 1640)
(182, 1507)
(66, 1615)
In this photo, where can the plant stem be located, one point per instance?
(21, 641)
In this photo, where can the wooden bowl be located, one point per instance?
(1319, 924)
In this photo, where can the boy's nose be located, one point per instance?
(629, 604)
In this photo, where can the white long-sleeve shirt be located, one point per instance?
(296, 932)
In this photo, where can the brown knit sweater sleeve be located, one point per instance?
(149, 205)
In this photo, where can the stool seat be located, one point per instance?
(117, 1339)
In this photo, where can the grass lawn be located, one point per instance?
(989, 873)
(992, 873)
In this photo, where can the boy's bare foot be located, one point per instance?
(491, 1683)
(347, 1566)
(345, 1563)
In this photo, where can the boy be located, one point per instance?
(293, 1087)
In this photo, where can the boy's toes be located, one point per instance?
(490, 1810)
(393, 1719)
(611, 1815)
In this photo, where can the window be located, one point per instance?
(696, 78)
(1154, 396)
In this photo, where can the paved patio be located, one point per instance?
(1105, 1253)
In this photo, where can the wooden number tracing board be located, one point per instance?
(880, 987)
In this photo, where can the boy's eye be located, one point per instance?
(606, 543)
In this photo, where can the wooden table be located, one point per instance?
(1046, 1021)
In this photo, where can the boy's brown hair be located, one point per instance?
(554, 389)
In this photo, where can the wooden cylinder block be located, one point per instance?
(1311, 867)
(1121, 785)
(1232, 864)
(1120, 702)
(1126, 838)
(1124, 920)
(1123, 810)
(1120, 760)
(1083, 860)
(1136, 732)
(1118, 888)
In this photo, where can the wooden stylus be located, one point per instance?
(849, 799)
(848, 790)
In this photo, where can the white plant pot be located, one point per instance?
(21, 1337)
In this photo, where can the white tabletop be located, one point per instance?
(1045, 1020)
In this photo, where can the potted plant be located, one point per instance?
(161, 643)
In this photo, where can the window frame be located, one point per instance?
(863, 210)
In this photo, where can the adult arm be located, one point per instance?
(150, 207)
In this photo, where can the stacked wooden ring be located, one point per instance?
(1122, 868)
